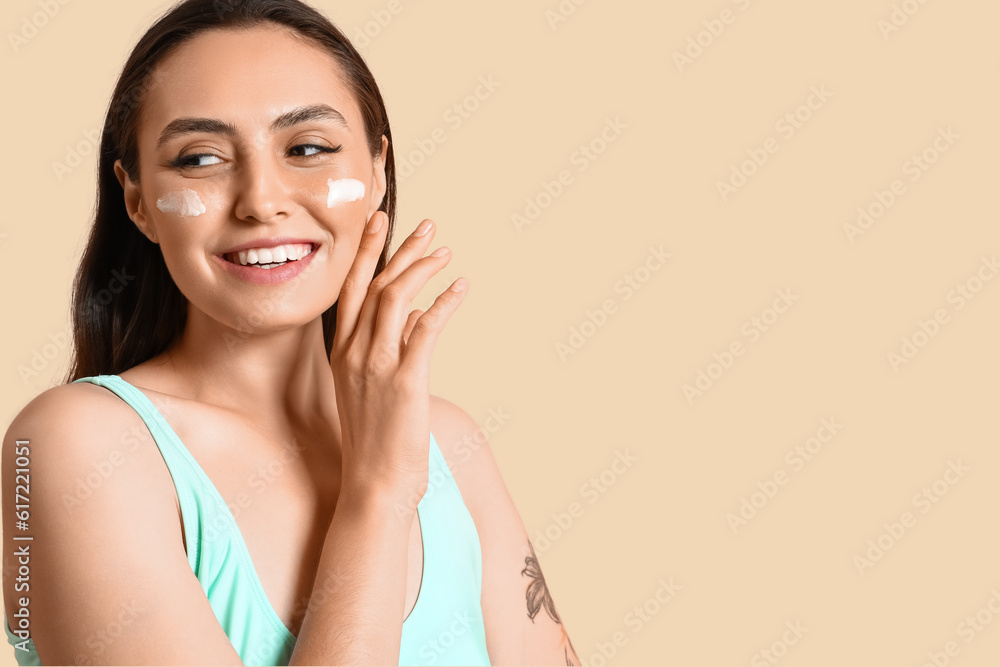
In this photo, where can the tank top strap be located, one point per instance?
(184, 470)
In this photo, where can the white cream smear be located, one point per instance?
(344, 190)
(185, 203)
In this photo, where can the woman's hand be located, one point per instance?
(381, 358)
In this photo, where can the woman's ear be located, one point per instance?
(378, 177)
(133, 203)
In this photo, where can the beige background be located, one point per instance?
(656, 185)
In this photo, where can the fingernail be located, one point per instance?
(459, 285)
(424, 227)
(440, 252)
(375, 224)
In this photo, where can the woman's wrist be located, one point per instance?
(367, 497)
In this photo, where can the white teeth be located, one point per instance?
(266, 258)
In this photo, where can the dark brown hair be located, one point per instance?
(126, 307)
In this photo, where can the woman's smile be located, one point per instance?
(268, 257)
(265, 262)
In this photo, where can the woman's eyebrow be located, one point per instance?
(182, 126)
(308, 113)
(189, 125)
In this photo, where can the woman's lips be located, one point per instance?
(264, 242)
(253, 273)
(267, 255)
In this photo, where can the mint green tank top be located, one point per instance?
(445, 626)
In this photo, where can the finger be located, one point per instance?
(410, 321)
(420, 345)
(356, 283)
(411, 250)
(396, 300)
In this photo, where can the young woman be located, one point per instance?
(247, 466)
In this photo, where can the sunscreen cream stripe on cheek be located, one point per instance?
(344, 190)
(185, 203)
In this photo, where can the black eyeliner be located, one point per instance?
(181, 162)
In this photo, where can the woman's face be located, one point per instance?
(249, 140)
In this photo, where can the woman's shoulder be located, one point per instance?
(464, 444)
(81, 411)
(74, 436)
(68, 442)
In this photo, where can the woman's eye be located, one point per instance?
(308, 150)
(195, 160)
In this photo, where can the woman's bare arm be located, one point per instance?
(109, 581)
(355, 616)
(523, 626)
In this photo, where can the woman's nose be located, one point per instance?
(261, 194)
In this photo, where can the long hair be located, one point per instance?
(126, 307)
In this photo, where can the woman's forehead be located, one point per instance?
(247, 77)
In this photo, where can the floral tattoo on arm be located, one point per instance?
(537, 597)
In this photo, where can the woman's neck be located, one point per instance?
(276, 377)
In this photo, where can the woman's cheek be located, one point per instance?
(186, 203)
(343, 191)
(339, 204)
(187, 217)
(190, 203)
